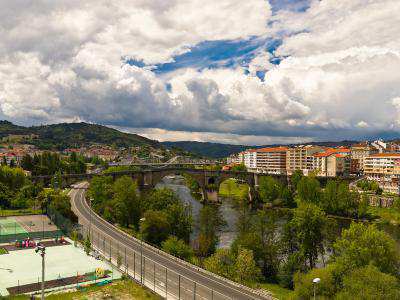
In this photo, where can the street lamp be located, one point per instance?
(141, 252)
(90, 221)
(42, 250)
(315, 282)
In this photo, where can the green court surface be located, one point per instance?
(9, 226)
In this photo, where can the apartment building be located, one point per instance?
(332, 162)
(250, 159)
(272, 160)
(300, 158)
(266, 160)
(358, 154)
(385, 169)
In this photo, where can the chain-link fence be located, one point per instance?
(63, 223)
(157, 277)
(32, 227)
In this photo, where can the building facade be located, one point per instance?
(300, 158)
(384, 168)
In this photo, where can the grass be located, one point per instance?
(120, 289)
(386, 214)
(231, 188)
(3, 251)
(19, 212)
(277, 291)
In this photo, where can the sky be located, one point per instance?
(231, 71)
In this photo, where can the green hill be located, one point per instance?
(68, 135)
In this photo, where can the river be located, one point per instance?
(227, 208)
(230, 214)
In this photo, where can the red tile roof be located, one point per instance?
(273, 149)
(385, 155)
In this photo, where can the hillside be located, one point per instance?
(205, 149)
(216, 150)
(67, 135)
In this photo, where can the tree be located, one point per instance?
(126, 201)
(269, 189)
(155, 227)
(160, 199)
(295, 178)
(309, 226)
(74, 237)
(246, 270)
(262, 238)
(361, 245)
(239, 168)
(210, 221)
(180, 218)
(101, 192)
(87, 245)
(177, 248)
(309, 190)
(369, 283)
(327, 288)
(287, 198)
(222, 263)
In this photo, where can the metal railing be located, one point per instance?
(158, 278)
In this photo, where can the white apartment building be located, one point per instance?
(385, 169)
(250, 159)
(266, 160)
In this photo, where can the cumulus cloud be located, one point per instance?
(337, 78)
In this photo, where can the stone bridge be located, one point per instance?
(207, 180)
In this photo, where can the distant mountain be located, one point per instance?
(205, 149)
(69, 135)
(216, 150)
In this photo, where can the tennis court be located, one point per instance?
(9, 226)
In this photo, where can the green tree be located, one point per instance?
(295, 179)
(361, 245)
(177, 248)
(87, 245)
(263, 239)
(246, 270)
(126, 201)
(155, 227)
(160, 199)
(309, 227)
(210, 221)
(269, 189)
(180, 218)
(222, 263)
(369, 283)
(327, 288)
(239, 168)
(309, 190)
(101, 192)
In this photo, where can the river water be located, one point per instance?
(231, 214)
(227, 208)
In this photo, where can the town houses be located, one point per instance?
(376, 160)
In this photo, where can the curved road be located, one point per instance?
(165, 274)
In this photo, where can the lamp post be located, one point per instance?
(141, 252)
(42, 250)
(315, 282)
(90, 218)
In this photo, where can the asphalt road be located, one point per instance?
(159, 271)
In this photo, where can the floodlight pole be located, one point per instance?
(42, 250)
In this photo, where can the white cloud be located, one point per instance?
(338, 78)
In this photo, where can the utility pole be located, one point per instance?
(42, 250)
